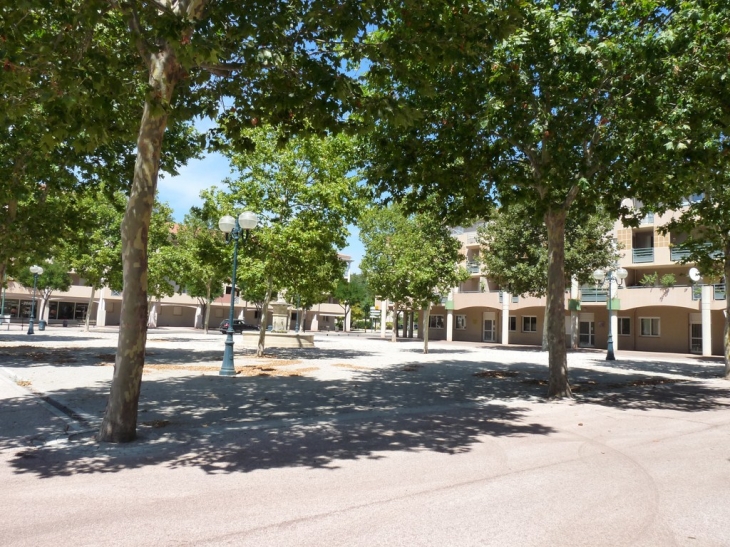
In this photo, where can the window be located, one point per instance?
(80, 312)
(436, 322)
(649, 326)
(66, 310)
(529, 323)
(228, 290)
(11, 308)
(460, 322)
(624, 326)
(26, 307)
(512, 323)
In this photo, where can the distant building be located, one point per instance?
(683, 318)
(180, 310)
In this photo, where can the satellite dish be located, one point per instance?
(694, 274)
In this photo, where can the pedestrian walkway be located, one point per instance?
(359, 441)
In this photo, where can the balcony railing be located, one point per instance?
(590, 294)
(678, 254)
(648, 219)
(643, 255)
(719, 291)
(472, 267)
(696, 292)
(471, 239)
(515, 298)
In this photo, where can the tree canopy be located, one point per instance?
(556, 114)
(514, 249)
(410, 260)
(305, 197)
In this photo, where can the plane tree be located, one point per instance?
(200, 260)
(55, 277)
(514, 248)
(162, 64)
(305, 196)
(412, 260)
(695, 49)
(349, 293)
(557, 114)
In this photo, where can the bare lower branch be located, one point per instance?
(135, 28)
(222, 69)
(570, 198)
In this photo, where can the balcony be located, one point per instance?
(591, 294)
(648, 219)
(515, 298)
(719, 291)
(472, 267)
(472, 239)
(641, 256)
(678, 254)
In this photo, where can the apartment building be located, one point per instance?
(671, 314)
(179, 310)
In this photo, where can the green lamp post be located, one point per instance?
(233, 227)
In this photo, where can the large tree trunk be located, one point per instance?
(264, 319)
(426, 314)
(88, 309)
(45, 295)
(206, 316)
(394, 335)
(727, 312)
(120, 418)
(558, 385)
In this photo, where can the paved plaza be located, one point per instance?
(360, 441)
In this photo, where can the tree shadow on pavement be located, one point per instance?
(438, 351)
(651, 393)
(246, 423)
(241, 424)
(695, 369)
(307, 353)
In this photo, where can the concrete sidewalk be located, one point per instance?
(361, 442)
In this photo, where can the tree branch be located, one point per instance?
(136, 29)
(221, 69)
(570, 198)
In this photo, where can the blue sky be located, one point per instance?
(183, 192)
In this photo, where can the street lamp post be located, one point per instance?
(610, 275)
(233, 226)
(36, 271)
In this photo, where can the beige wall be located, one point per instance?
(177, 316)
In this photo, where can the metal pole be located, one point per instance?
(32, 306)
(227, 368)
(609, 353)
